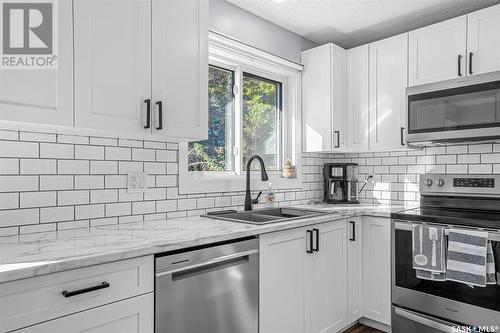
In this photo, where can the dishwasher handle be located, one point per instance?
(209, 265)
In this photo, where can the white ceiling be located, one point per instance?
(349, 23)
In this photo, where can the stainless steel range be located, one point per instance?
(458, 202)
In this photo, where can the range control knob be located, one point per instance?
(429, 182)
(441, 182)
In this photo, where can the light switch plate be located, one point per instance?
(137, 182)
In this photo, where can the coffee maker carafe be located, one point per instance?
(340, 182)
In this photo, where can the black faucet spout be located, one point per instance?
(263, 177)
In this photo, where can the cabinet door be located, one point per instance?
(388, 78)
(326, 292)
(317, 118)
(437, 52)
(134, 315)
(339, 73)
(357, 99)
(180, 68)
(483, 41)
(281, 291)
(112, 42)
(354, 269)
(377, 269)
(43, 95)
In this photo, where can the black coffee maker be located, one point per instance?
(340, 183)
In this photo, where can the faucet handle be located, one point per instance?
(256, 200)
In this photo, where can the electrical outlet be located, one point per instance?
(137, 182)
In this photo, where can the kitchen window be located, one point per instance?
(259, 125)
(253, 108)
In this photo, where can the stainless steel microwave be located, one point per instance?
(456, 111)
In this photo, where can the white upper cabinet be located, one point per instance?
(388, 81)
(142, 66)
(437, 52)
(180, 68)
(112, 64)
(323, 98)
(483, 41)
(357, 99)
(43, 96)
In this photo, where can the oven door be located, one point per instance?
(450, 300)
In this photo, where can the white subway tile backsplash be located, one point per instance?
(89, 211)
(37, 199)
(9, 135)
(125, 167)
(103, 141)
(57, 214)
(155, 194)
(143, 154)
(480, 168)
(30, 229)
(466, 159)
(89, 152)
(155, 145)
(457, 168)
(9, 200)
(118, 209)
(143, 207)
(101, 196)
(103, 221)
(56, 150)
(166, 180)
(18, 183)
(37, 166)
(104, 167)
(116, 181)
(166, 155)
(79, 197)
(56, 182)
(130, 143)
(9, 166)
(73, 225)
(16, 217)
(18, 149)
(70, 167)
(155, 168)
(490, 158)
(484, 148)
(76, 139)
(118, 153)
(37, 137)
(89, 182)
(166, 206)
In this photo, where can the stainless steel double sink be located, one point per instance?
(267, 215)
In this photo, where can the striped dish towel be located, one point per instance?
(467, 252)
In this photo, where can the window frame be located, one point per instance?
(232, 55)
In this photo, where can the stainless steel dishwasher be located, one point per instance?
(208, 289)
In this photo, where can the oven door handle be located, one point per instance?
(426, 321)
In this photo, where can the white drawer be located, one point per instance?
(133, 315)
(30, 301)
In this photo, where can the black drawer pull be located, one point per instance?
(337, 133)
(148, 113)
(402, 136)
(459, 65)
(470, 62)
(317, 240)
(160, 115)
(310, 235)
(353, 235)
(103, 285)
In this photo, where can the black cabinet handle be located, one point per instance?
(310, 235)
(402, 136)
(148, 113)
(459, 65)
(470, 62)
(160, 115)
(337, 133)
(353, 235)
(85, 290)
(317, 240)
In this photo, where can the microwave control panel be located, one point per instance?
(474, 182)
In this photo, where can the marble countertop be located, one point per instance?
(31, 255)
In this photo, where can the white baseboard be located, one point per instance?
(375, 324)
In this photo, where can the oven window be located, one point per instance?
(468, 107)
(487, 297)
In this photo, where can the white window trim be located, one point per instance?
(228, 52)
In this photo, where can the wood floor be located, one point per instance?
(362, 329)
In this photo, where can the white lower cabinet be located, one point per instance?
(354, 269)
(302, 280)
(377, 269)
(134, 315)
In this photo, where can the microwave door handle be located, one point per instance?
(441, 326)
